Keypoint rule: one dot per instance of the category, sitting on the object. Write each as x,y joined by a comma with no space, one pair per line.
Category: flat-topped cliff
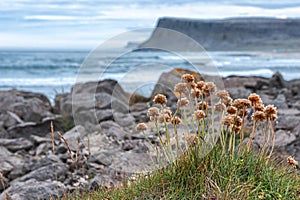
231,34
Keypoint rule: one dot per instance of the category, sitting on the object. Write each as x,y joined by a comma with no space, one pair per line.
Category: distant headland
232,34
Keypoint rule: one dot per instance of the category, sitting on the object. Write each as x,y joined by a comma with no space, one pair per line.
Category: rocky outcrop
227,34
100,153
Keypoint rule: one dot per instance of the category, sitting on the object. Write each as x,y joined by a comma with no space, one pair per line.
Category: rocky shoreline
103,146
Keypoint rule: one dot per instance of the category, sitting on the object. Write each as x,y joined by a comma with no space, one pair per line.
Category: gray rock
287,122
39,140
277,81
75,134
29,129
16,144
140,116
100,181
239,92
280,102
55,171
38,162
104,115
108,124
9,161
138,107
86,96
127,145
42,149
124,120
130,162
103,158
7,120
32,189
85,117
103,101
284,138
117,133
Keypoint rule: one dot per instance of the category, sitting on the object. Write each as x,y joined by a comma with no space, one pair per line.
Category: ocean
52,72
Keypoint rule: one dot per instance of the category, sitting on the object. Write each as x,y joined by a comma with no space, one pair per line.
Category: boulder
124,120
117,133
277,81
75,134
14,145
27,130
90,95
54,171
107,124
24,106
239,92
32,189
104,115
9,161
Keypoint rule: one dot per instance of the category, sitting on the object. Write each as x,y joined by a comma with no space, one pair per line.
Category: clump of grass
202,152
217,176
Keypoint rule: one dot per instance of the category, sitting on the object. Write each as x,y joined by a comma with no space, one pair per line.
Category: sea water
52,72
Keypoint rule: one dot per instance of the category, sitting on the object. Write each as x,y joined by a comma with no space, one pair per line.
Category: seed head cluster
181,88
141,127
199,114
291,161
183,102
175,120
187,78
160,99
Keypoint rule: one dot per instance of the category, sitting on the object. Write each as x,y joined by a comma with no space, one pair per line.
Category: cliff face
232,34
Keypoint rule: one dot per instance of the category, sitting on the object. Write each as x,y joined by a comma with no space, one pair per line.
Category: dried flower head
153,113
205,89
160,99
199,114
165,116
211,87
222,94
259,116
273,117
187,78
183,102
141,127
193,85
255,99
227,101
259,107
175,120
162,118
237,129
228,120
191,139
231,110
220,107
243,112
238,121
195,93
291,161
181,88
167,112
200,85
202,105
270,110
242,103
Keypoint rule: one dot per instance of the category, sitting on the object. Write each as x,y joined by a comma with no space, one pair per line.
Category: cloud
85,22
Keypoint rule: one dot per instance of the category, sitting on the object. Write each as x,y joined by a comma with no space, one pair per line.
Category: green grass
216,176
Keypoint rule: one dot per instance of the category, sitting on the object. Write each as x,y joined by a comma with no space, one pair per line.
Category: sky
84,24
